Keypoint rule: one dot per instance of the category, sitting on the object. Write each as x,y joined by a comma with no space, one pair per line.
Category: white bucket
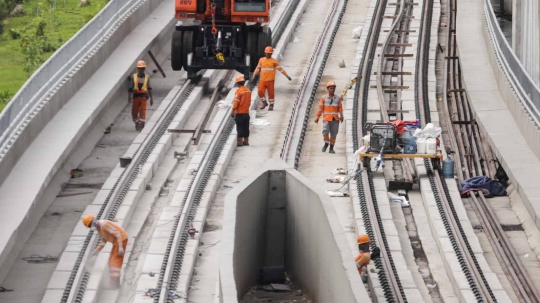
420,145
431,146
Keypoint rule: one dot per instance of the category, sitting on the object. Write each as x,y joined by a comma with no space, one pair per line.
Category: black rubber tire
252,49
265,39
187,47
177,58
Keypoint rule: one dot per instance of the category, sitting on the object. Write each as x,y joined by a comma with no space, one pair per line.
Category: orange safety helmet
240,78
363,238
330,84
268,50
141,63
87,220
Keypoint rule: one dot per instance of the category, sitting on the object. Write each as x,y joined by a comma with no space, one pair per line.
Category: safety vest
144,88
362,260
267,67
330,107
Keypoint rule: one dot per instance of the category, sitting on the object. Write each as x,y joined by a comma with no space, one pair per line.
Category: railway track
473,158
74,290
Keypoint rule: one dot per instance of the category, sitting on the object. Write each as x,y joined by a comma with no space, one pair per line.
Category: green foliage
34,44
5,97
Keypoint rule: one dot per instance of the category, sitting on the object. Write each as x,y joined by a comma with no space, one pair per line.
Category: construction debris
335,179
333,193
76,173
339,171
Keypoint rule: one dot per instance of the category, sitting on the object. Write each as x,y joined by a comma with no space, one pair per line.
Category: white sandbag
357,32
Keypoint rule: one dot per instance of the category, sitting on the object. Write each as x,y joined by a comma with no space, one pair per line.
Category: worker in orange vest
267,67
240,111
113,233
330,106
363,258
139,92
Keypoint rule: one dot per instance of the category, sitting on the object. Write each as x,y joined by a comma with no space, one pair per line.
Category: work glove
121,251
129,99
316,120
341,119
233,114
288,77
151,101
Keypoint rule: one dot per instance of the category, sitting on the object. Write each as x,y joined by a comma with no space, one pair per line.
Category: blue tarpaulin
487,185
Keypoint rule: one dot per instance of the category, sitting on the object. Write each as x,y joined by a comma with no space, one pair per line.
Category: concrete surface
526,36
496,110
265,143
311,230
38,175
54,229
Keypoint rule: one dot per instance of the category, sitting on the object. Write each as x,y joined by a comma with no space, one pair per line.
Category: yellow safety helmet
87,220
141,63
240,79
363,238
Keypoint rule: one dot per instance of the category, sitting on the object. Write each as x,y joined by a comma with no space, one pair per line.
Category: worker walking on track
139,92
331,108
240,111
113,233
267,67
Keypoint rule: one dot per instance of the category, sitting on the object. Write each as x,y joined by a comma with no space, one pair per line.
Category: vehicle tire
265,39
177,58
187,47
252,49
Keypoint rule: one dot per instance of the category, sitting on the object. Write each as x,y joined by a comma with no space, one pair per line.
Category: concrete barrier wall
63,90
308,233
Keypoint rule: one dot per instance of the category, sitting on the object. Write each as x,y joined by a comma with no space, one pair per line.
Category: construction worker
139,92
363,258
240,111
109,232
267,67
330,106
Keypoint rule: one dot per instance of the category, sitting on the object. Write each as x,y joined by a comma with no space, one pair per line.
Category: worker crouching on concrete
364,257
139,92
331,108
267,67
240,111
113,233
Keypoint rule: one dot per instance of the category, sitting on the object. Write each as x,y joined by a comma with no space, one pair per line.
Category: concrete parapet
278,205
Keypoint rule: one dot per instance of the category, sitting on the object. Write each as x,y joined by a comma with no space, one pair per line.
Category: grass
62,23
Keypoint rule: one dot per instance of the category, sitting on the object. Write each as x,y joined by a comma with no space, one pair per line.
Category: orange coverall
362,260
140,97
113,233
267,68
241,104
330,107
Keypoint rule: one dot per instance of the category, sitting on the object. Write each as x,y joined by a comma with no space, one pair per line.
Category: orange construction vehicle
220,34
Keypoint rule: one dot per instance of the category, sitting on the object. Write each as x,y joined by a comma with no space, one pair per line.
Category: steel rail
384,49
386,271
79,276
468,262
292,145
512,267
174,254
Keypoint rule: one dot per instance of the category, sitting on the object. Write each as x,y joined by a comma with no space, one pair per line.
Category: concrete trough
278,217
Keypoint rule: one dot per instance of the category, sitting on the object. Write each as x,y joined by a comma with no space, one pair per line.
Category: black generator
383,137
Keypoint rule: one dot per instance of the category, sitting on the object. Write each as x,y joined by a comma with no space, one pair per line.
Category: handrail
62,62
526,89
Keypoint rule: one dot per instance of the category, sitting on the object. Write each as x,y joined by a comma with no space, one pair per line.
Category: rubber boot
238,141
264,104
324,147
332,149
141,125
246,141
137,128
271,107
